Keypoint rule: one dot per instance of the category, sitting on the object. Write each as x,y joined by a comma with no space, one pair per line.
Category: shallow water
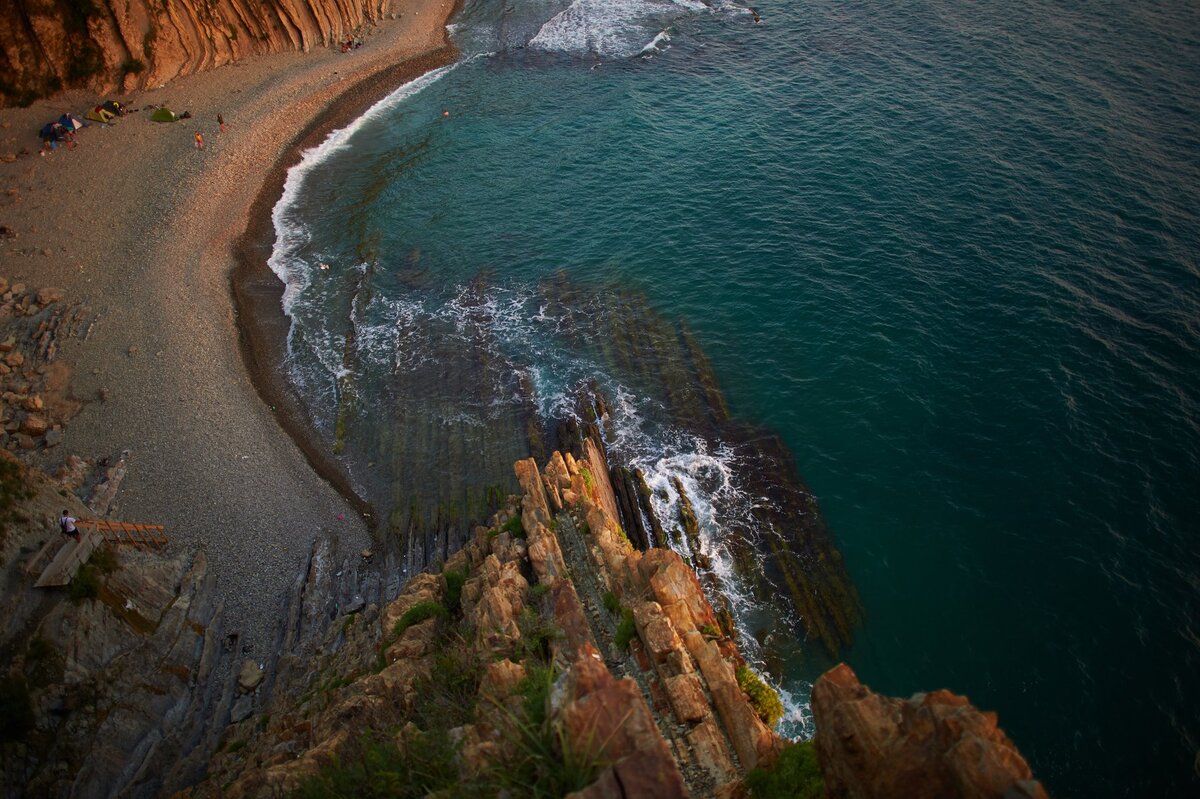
947,251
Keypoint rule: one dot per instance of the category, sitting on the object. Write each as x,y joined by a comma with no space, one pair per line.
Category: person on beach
67,525
199,141
221,122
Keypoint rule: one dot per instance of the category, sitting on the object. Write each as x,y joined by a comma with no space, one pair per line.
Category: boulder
35,425
933,745
250,677
49,295
609,719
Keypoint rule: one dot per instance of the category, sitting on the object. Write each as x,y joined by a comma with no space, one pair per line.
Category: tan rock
686,695
250,676
35,425
752,740
935,745
655,630
608,718
46,296
711,751
14,359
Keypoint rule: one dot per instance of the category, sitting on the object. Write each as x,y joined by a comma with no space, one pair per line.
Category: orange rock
932,745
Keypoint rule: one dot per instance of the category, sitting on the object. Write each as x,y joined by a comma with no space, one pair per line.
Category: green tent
163,114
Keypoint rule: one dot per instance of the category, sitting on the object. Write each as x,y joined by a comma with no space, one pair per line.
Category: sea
949,252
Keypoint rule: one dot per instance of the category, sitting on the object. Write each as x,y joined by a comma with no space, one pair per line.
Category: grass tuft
795,775
626,630
763,697
418,613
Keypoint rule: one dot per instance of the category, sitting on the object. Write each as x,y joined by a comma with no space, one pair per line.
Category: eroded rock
933,745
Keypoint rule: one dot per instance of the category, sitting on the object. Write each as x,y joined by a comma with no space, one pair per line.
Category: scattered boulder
250,677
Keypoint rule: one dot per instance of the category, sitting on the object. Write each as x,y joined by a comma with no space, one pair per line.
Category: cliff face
49,45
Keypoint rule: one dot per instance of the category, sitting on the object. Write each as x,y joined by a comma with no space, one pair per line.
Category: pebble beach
145,231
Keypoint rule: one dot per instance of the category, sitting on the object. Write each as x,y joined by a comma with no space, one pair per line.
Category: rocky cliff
547,657
547,652
49,45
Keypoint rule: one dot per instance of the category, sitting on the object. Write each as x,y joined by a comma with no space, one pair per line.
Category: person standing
67,525
221,122
199,141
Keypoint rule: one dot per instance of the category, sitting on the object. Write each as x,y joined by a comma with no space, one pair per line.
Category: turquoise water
948,251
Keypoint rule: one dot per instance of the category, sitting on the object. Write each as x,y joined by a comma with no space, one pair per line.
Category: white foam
290,234
653,47
609,28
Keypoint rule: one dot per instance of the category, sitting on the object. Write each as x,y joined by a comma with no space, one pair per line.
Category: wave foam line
289,234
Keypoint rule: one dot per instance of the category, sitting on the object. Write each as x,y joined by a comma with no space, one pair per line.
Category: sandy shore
146,230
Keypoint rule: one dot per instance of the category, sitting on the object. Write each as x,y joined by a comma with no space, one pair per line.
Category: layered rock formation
117,693
48,45
547,649
933,745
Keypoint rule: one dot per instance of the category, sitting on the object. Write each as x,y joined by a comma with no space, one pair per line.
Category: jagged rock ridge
546,590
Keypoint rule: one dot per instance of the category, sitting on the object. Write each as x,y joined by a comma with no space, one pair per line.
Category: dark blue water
947,250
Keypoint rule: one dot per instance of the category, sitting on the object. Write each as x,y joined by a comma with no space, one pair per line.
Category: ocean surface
948,251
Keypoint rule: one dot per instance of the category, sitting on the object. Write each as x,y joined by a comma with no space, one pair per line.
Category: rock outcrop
48,45
547,648
933,745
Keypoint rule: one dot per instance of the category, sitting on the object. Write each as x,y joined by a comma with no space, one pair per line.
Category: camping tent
69,122
99,114
163,114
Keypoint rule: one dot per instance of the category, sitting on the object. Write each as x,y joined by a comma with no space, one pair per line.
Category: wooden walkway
142,536
92,533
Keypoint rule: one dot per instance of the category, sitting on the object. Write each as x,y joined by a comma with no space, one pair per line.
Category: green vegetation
795,775
611,603
377,768
236,746
418,613
446,698
626,630
763,697
455,581
85,62
710,630
13,490
16,711
104,559
537,591
514,527
85,584
536,635
588,480
545,763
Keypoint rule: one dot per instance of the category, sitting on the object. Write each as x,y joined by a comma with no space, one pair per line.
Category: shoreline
147,234
257,292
